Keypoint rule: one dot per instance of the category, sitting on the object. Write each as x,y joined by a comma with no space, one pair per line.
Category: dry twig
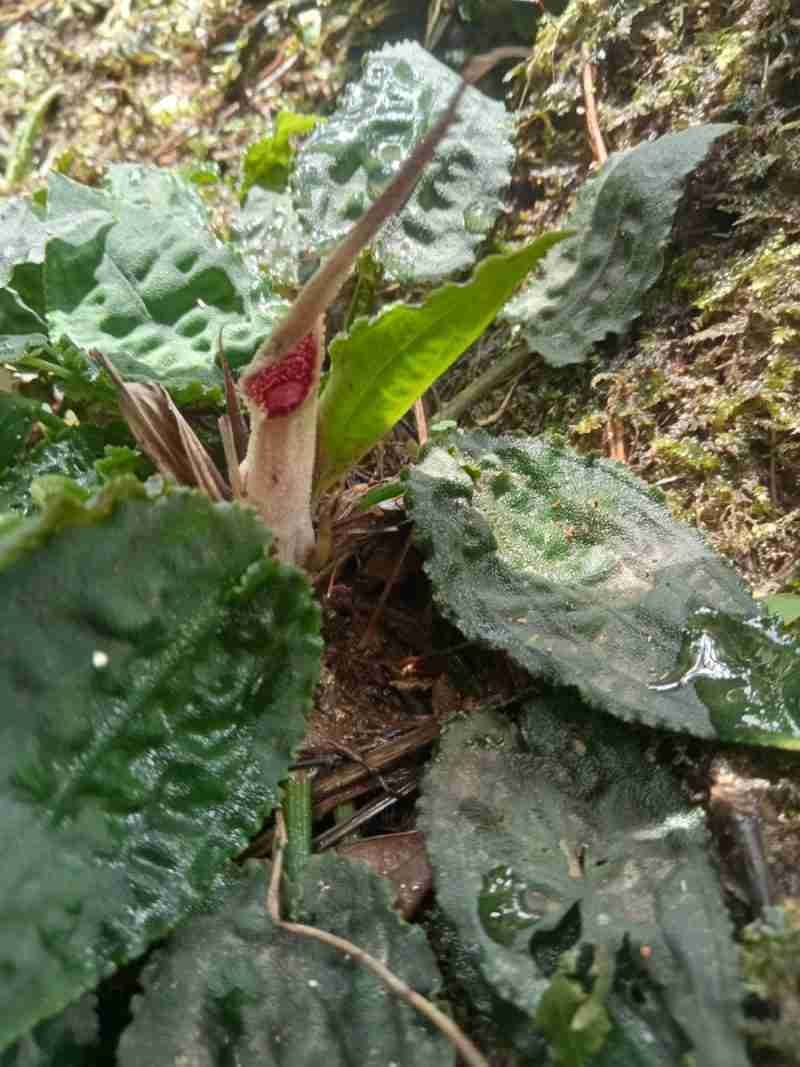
592,122
465,1048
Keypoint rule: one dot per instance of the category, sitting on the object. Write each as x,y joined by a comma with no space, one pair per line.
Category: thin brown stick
499,413
599,149
371,808
465,1048
369,633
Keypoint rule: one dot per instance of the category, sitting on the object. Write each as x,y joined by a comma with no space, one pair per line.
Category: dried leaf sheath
164,434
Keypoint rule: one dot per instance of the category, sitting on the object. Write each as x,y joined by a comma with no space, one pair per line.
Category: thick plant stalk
281,382
278,470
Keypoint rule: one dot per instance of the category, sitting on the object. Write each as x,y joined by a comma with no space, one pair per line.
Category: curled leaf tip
281,389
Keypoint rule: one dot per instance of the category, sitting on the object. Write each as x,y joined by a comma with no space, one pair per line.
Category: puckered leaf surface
70,1039
156,669
152,287
23,237
269,236
594,284
574,567
231,987
569,837
347,162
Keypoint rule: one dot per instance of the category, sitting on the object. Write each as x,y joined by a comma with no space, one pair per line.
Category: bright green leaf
268,162
156,670
785,605
384,364
231,987
574,1019
380,494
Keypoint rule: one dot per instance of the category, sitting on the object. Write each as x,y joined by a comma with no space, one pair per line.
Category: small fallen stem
465,1048
499,413
369,633
500,370
592,122
422,422
358,819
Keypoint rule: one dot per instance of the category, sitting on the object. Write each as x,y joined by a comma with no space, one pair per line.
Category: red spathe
282,388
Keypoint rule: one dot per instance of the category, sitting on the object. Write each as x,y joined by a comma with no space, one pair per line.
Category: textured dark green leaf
570,838
346,164
574,567
156,668
746,672
70,1039
85,454
593,284
147,283
384,364
17,416
233,988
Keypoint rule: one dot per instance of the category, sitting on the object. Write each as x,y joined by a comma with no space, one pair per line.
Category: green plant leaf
156,189
574,1019
593,284
785,605
747,674
17,416
384,364
233,987
268,162
156,669
86,454
70,1039
23,237
135,273
567,836
347,163
574,567
770,957
267,232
